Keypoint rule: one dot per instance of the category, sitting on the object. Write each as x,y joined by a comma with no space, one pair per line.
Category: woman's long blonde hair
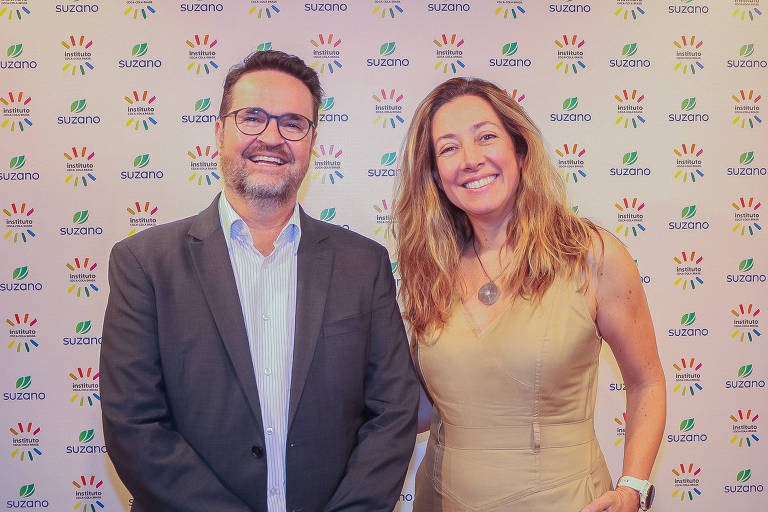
544,236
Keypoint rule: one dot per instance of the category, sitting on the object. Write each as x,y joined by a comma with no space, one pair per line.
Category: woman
508,294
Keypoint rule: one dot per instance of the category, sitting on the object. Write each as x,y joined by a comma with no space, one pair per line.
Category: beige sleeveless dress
512,427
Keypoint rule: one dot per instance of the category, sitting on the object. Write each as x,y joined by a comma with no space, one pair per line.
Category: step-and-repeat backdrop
653,111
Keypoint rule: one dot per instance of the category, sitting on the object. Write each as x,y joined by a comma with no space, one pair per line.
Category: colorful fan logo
22,332
688,56
14,14
628,12
262,12
629,108
202,51
326,53
745,323
746,109
140,110
688,276
384,12
688,163
79,171
509,12
630,216
515,96
139,12
85,387
87,494
746,216
570,164
687,486
621,430
17,114
383,217
76,52
687,381
18,223
141,216
448,53
744,428
740,13
25,442
569,54
327,164
387,109
82,281
203,165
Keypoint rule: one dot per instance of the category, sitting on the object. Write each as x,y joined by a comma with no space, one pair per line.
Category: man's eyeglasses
253,121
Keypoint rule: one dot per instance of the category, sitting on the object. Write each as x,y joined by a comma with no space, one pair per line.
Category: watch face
649,496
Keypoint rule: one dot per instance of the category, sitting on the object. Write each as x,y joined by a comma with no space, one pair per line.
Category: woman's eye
488,136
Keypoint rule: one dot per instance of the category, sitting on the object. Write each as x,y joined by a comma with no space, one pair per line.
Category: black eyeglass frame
269,118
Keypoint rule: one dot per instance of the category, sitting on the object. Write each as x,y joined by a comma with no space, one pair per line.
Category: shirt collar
236,229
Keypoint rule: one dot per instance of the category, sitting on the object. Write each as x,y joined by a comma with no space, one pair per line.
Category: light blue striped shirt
267,290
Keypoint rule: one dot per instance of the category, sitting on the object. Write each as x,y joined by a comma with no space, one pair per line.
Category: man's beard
237,178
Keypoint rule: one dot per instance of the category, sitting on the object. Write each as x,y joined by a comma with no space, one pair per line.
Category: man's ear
219,132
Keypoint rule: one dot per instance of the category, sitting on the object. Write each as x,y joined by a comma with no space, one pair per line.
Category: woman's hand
623,499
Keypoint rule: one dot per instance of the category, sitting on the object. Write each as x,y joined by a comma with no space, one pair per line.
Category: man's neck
265,219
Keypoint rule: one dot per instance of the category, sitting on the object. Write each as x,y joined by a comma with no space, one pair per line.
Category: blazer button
257,451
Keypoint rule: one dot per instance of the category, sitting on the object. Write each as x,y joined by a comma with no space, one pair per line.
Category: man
254,358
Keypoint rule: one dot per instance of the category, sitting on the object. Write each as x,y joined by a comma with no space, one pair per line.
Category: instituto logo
87,493
327,164
746,218
630,217
687,215
139,59
688,55
686,482
746,324
141,170
745,274
387,168
82,329
630,166
141,216
685,330
383,217
16,174
25,443
687,377
508,59
14,9
264,9
570,54
138,9
743,62
746,379
79,168
570,164
689,163
509,9
621,429
744,428
19,223
22,333
629,9
202,56
140,110
81,277
203,165
15,62
388,109
326,53
449,53
744,484
746,10
77,55
688,271
629,58
16,111
76,116
629,108
386,59
85,387
387,9
746,109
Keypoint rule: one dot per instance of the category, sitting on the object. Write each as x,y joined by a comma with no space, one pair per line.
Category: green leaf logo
570,103
14,50
745,371
746,265
80,217
387,48
688,319
264,46
395,266
20,273
202,104
575,209
629,158
77,106
687,425
509,49
141,161
83,327
17,162
86,436
629,50
388,158
746,50
326,104
25,491
328,214
688,104
23,382
744,475
747,158
139,50
688,211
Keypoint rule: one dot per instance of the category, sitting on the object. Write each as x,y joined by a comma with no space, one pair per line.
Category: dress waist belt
531,436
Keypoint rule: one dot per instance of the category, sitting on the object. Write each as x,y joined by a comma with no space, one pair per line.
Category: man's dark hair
277,61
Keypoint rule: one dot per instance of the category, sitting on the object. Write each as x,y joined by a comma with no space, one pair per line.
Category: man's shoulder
343,238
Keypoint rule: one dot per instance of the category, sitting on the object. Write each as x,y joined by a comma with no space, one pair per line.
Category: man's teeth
481,183
268,159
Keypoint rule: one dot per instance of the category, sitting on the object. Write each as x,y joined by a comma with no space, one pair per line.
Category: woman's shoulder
609,259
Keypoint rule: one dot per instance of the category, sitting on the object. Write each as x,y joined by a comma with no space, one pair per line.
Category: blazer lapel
210,257
313,278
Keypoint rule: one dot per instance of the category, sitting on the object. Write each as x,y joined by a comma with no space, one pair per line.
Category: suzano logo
203,165
745,274
621,429
570,163
744,428
14,52
746,109
80,338
629,108
22,393
509,9
689,163
744,61
741,486
77,55
200,116
22,333
448,53
326,114
139,59
746,218
687,215
141,216
85,387
387,166
326,53
746,323
17,10
202,56
264,9
262,47
16,174
569,54
26,500
630,217
686,482
568,115
78,227
85,444
81,278
688,271
686,8
383,217
386,59
76,116
687,377
79,168
200,6
629,9
327,164
449,6
25,443
746,10
508,59
329,215
16,111
686,329
75,7
138,10
687,434
140,110
687,105
18,223
387,9
628,51
19,283
630,166
569,7
388,109
745,379
141,170
688,55
87,493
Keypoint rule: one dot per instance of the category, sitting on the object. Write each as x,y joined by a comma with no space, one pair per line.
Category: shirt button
257,451
270,431
268,371
266,316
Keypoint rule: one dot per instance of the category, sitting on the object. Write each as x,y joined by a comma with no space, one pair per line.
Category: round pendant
488,293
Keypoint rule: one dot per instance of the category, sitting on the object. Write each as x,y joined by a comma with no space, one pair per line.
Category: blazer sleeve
156,464
374,476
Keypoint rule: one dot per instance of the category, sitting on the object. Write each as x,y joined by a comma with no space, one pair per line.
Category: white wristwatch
643,487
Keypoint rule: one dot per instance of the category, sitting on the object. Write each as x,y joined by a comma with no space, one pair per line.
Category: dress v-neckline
470,319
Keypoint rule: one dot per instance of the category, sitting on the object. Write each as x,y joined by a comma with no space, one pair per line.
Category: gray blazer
180,407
